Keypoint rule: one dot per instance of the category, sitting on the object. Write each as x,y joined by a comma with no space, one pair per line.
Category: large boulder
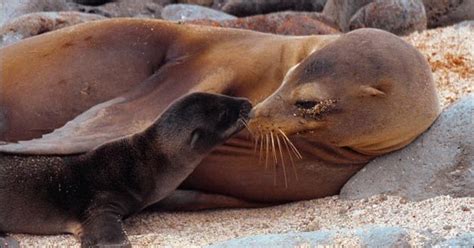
41,22
125,8
287,23
447,12
207,3
461,240
189,12
369,236
439,162
255,7
92,2
400,17
10,9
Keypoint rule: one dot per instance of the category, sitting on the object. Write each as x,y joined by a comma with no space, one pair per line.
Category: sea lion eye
224,115
306,104
195,136
314,109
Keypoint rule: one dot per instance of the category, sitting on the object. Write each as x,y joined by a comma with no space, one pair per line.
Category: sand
450,52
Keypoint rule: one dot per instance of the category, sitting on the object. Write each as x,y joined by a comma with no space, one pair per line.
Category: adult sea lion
101,80
88,195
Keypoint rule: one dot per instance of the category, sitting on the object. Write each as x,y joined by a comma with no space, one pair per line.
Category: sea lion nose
252,114
245,109
259,112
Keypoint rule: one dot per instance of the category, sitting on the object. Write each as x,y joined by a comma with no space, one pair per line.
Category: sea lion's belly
235,169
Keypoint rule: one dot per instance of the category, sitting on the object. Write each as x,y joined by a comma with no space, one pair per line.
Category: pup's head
194,124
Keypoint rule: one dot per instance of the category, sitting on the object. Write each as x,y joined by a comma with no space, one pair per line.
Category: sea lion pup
90,194
101,80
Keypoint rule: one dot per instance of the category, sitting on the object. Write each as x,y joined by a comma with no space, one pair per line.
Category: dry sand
450,52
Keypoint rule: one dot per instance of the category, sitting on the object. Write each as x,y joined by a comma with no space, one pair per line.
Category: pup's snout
245,109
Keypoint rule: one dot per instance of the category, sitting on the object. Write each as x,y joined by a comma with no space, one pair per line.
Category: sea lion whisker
260,159
275,159
287,140
282,160
291,159
297,152
255,144
267,148
246,125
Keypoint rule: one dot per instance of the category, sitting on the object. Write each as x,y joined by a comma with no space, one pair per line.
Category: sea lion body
133,68
89,194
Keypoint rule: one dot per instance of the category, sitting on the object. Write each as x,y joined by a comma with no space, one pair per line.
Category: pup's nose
245,109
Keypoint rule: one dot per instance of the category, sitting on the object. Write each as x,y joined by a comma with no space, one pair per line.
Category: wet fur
89,195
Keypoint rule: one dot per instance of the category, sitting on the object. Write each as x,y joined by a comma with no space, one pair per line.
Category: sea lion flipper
121,116
74,137
193,200
104,230
102,123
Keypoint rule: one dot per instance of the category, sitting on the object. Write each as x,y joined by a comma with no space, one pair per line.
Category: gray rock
40,22
8,242
285,23
439,162
10,9
400,17
125,8
447,12
383,237
189,12
207,3
92,2
341,11
462,240
279,240
254,7
370,236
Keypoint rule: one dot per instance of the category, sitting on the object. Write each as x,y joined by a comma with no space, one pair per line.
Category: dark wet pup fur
89,195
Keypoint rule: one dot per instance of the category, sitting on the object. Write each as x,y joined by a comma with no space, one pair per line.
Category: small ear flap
196,135
366,90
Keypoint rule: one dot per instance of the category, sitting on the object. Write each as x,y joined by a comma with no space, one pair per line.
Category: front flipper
118,117
192,200
8,242
104,230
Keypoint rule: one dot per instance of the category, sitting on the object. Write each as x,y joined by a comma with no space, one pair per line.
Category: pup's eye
306,104
195,136
224,115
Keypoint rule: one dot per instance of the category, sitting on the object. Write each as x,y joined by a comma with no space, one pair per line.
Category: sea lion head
196,123
368,90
